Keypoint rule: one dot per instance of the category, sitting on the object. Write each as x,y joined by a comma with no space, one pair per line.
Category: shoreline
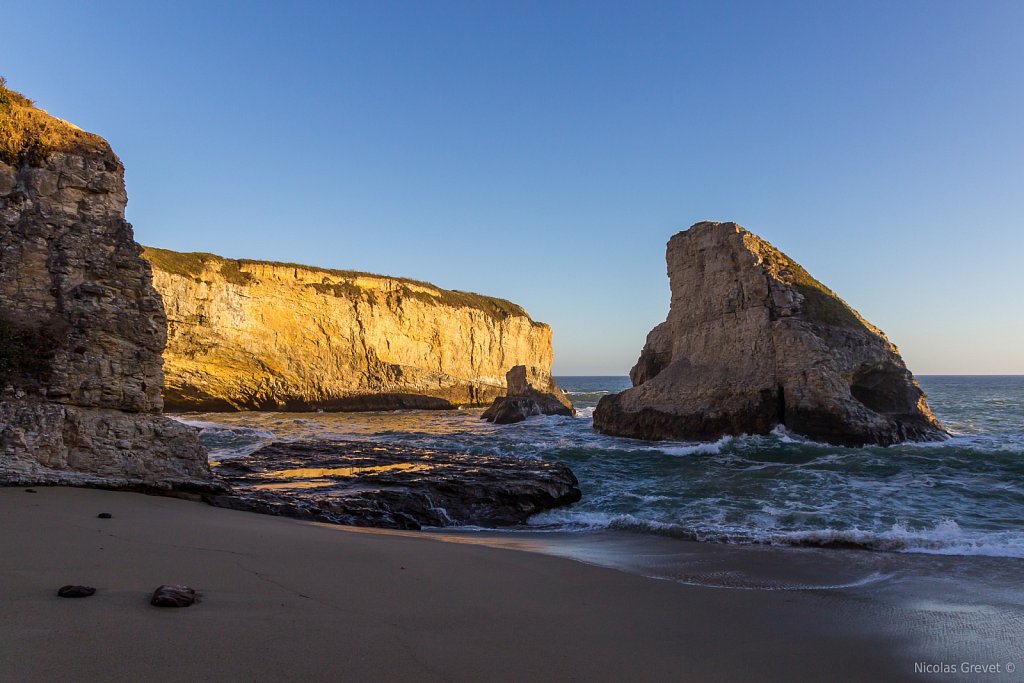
752,566
286,599
922,498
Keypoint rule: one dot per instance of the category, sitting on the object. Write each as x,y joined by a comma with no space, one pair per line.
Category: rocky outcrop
753,341
529,392
81,328
392,486
272,336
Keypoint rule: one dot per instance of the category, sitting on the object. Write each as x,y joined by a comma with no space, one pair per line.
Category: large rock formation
529,392
274,336
393,486
81,328
753,341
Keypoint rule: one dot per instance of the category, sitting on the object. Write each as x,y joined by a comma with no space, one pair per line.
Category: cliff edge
753,341
260,335
81,327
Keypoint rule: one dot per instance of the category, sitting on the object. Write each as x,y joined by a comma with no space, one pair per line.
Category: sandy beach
289,600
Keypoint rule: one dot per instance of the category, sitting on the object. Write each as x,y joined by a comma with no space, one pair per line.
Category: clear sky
545,152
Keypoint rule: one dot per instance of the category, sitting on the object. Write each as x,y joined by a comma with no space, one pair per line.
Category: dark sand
285,600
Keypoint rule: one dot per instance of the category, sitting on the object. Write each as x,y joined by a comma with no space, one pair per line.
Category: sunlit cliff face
255,335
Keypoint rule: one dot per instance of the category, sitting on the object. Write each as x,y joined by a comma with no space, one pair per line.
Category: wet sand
288,600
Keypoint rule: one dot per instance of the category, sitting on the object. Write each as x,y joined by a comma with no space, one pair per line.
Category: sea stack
752,341
81,327
529,391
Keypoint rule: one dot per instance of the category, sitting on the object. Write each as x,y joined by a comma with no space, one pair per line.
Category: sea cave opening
883,389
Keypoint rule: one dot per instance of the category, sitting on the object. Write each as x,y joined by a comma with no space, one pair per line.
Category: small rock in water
173,596
75,591
104,515
31,491
529,391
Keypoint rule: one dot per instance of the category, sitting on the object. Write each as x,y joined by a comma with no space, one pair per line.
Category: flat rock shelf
392,486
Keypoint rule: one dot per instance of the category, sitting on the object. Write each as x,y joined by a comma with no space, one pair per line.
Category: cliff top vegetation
820,303
238,271
29,134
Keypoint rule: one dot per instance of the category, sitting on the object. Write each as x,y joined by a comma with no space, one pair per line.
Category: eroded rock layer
272,336
753,341
81,327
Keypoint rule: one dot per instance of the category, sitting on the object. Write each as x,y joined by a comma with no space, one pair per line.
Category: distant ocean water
964,496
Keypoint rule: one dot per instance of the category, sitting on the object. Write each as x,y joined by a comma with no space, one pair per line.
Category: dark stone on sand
31,491
104,515
392,486
75,591
173,596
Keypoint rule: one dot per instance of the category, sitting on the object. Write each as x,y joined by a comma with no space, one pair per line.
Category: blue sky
546,151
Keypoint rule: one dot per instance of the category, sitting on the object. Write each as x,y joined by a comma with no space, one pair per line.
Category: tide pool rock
81,327
530,391
392,486
753,341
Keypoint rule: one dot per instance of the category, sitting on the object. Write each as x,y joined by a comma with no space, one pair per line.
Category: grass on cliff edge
192,265
820,302
29,135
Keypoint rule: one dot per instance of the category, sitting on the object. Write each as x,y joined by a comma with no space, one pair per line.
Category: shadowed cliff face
753,341
272,336
81,328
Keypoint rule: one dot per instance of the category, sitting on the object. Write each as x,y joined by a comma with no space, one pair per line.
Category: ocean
964,496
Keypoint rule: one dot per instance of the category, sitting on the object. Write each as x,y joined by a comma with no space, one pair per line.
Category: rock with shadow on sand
173,596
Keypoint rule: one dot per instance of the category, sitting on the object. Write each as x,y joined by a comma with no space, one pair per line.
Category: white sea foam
225,441
710,448
646,498
785,436
198,424
973,439
742,583
946,538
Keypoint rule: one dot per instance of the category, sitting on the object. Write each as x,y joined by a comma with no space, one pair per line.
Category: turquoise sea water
964,496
